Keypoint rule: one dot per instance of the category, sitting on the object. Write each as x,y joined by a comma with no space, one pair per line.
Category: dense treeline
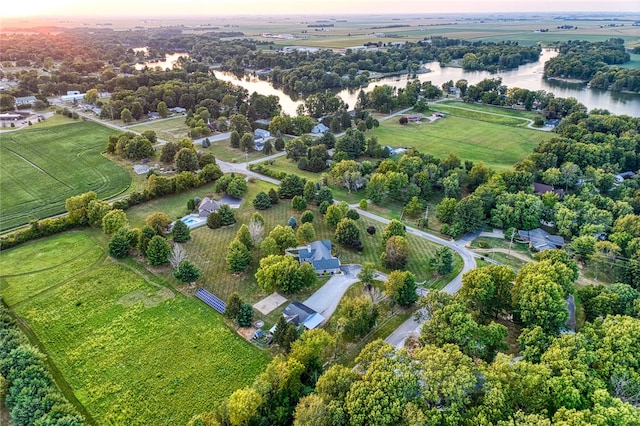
26,385
582,59
617,80
303,72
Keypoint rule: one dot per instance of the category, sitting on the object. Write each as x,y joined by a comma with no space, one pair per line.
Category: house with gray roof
300,314
318,254
319,129
24,100
540,240
207,206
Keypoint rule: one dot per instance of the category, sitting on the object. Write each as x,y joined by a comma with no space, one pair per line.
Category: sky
150,8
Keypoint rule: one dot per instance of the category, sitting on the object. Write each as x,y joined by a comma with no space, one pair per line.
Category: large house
318,254
207,206
540,240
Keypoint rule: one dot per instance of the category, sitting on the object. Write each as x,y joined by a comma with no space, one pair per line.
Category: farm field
130,349
42,167
497,146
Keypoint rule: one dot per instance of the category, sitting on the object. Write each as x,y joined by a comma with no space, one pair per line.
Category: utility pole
511,241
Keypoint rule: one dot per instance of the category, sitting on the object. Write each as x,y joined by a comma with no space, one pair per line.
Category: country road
409,327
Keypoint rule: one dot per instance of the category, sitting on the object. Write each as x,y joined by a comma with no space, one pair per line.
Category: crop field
42,167
130,349
498,146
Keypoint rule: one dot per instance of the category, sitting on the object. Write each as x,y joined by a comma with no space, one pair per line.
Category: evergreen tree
181,232
119,245
244,236
227,217
238,256
245,315
307,217
279,332
187,272
442,262
233,305
158,251
298,203
145,236
214,221
273,194
262,201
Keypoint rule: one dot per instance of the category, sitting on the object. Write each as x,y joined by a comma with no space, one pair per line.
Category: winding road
411,326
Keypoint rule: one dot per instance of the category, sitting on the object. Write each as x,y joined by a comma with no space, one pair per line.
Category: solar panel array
211,300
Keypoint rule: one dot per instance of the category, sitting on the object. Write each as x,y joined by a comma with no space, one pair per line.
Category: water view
526,76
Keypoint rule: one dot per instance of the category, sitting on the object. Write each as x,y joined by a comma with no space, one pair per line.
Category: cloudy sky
333,7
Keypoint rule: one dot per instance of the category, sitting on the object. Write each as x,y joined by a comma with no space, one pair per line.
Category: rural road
318,301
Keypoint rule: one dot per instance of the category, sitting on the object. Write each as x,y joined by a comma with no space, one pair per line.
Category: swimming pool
194,221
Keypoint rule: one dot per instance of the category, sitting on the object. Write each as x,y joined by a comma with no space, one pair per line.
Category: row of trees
26,386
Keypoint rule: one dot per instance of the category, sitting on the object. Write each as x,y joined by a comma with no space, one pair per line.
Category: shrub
214,221
307,217
371,230
363,204
262,201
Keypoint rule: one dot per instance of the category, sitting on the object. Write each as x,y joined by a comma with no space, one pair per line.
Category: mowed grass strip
497,146
134,352
42,167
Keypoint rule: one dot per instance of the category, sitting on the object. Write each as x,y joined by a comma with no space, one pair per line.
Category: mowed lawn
172,129
132,350
41,167
498,146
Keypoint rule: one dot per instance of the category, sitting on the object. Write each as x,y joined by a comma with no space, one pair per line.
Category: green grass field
132,350
171,129
43,166
498,146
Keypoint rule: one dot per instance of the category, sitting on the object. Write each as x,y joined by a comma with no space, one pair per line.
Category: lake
526,76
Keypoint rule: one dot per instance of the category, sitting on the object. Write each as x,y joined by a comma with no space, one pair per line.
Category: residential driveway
325,300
